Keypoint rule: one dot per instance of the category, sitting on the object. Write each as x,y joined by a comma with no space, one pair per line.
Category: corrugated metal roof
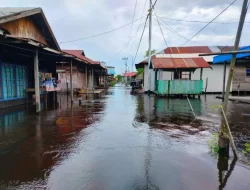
7,11
131,74
191,49
227,58
196,49
179,63
79,54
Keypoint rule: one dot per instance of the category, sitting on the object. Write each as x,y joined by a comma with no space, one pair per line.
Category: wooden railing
165,87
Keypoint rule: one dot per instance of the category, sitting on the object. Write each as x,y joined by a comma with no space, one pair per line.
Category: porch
175,87
179,73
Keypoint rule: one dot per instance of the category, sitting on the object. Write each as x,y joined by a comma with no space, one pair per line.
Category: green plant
213,143
112,83
247,148
152,53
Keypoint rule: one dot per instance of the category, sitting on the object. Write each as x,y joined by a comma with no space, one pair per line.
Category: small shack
180,71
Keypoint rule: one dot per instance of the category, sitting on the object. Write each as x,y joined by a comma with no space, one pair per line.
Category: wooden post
71,83
199,96
206,85
201,73
92,78
86,73
229,133
37,87
156,73
190,75
236,46
224,81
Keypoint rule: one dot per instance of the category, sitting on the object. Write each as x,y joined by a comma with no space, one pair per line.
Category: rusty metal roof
179,63
131,74
196,49
80,54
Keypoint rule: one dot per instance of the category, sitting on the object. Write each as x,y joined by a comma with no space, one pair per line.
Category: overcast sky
74,19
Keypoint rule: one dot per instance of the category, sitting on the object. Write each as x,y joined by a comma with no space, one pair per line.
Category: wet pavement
121,142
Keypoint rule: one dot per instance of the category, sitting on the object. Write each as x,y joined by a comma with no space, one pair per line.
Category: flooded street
121,142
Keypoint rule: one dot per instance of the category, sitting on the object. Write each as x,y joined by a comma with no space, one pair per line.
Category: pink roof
131,74
180,63
79,54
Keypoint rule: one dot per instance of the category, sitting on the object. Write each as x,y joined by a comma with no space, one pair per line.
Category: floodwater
121,142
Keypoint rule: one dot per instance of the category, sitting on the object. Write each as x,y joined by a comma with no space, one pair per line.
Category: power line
197,21
101,33
209,23
140,40
161,30
138,29
133,37
133,20
171,29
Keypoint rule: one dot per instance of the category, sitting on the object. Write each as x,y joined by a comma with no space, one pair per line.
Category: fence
165,87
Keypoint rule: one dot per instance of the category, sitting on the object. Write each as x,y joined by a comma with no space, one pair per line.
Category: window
14,81
9,81
21,81
185,75
248,72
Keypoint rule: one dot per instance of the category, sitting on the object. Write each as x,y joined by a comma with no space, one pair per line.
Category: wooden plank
19,15
24,28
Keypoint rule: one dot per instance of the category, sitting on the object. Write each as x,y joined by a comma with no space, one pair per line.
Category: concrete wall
152,81
215,77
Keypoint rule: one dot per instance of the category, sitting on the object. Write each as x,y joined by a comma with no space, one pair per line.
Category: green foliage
213,143
247,148
152,53
139,71
119,78
112,83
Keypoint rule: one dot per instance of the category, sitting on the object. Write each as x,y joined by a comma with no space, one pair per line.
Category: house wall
78,80
215,78
240,78
152,83
24,28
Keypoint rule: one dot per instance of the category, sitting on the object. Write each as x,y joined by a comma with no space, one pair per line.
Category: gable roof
179,63
196,49
8,14
130,74
80,54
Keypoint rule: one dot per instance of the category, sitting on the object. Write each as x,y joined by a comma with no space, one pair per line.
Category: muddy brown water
118,141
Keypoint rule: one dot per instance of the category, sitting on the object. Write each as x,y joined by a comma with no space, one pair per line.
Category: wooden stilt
71,83
37,87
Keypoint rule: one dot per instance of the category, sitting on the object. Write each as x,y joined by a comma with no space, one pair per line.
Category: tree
139,71
119,78
152,52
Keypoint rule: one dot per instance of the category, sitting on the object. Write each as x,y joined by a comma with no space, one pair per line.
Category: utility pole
149,45
236,47
125,59
224,140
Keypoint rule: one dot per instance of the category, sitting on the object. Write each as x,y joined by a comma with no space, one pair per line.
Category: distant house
213,76
111,70
87,75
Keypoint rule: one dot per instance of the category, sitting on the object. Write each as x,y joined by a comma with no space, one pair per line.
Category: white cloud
73,19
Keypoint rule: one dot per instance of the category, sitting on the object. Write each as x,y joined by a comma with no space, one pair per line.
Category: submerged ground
118,141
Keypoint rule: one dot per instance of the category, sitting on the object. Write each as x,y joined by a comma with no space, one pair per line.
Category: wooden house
29,51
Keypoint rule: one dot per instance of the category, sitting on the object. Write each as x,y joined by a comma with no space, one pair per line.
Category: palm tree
152,53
